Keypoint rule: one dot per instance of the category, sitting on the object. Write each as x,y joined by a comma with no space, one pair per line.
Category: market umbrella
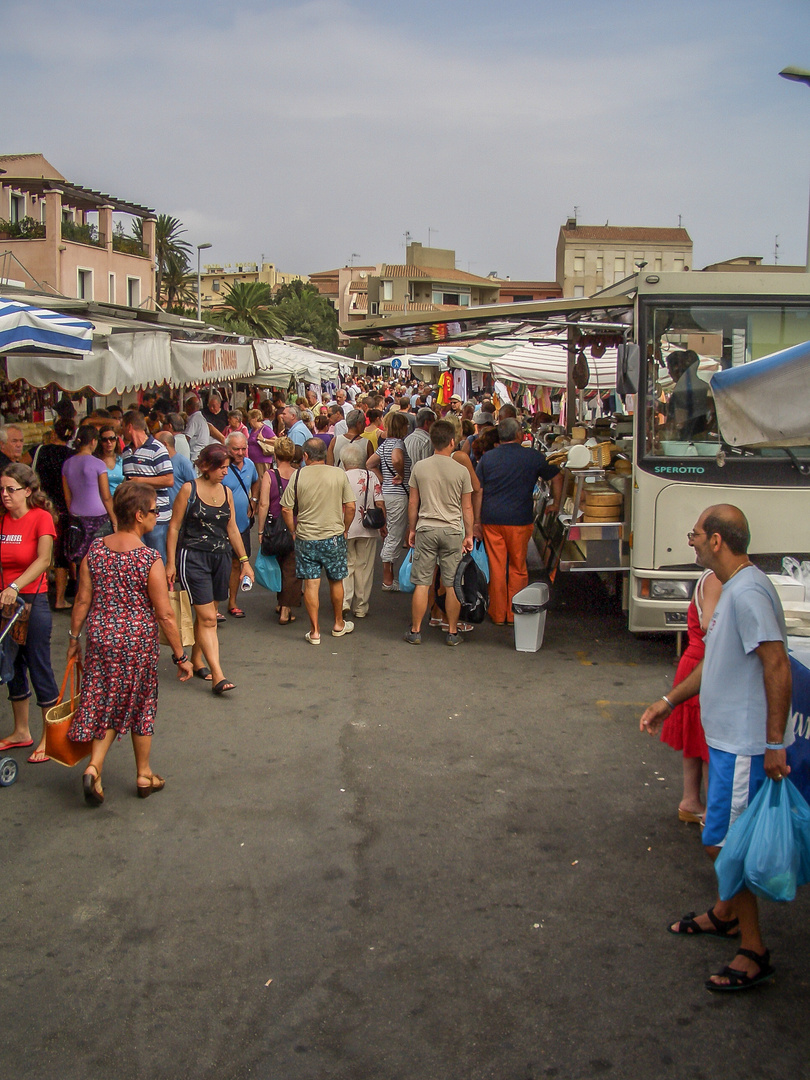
24,328
764,402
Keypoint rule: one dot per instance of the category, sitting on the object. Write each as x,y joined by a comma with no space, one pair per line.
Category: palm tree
249,304
168,245
179,284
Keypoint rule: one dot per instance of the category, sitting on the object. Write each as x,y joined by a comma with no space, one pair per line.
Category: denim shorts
313,556
34,657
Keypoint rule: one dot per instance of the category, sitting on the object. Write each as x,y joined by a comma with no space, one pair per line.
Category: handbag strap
368,482
73,671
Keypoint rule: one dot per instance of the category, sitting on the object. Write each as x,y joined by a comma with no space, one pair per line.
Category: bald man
744,683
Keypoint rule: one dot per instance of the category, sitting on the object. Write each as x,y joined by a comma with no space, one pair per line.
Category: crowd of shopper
124,507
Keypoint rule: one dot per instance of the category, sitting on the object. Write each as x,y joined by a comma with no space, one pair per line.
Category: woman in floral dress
123,597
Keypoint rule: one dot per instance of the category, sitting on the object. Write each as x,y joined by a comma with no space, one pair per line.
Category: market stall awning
198,363
535,364
764,402
118,363
277,362
25,328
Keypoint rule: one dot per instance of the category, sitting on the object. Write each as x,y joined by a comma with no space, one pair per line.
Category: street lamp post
800,75
200,247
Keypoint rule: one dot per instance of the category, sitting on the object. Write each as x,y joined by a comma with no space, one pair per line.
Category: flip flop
39,757
15,746
220,617
202,673
223,687
286,622
236,612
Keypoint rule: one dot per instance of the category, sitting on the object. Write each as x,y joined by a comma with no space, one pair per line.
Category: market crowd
157,516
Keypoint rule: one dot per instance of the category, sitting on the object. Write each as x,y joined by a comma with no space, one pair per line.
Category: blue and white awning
24,328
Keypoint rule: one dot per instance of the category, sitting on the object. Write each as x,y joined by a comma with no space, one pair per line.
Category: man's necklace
742,566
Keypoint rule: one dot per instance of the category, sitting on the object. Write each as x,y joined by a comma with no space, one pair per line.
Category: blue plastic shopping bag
479,554
767,849
405,573
268,572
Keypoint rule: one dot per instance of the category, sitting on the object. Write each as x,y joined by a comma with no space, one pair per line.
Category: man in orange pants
508,474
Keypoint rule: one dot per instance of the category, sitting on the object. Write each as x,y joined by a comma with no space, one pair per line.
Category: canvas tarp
277,362
764,402
197,364
535,365
118,363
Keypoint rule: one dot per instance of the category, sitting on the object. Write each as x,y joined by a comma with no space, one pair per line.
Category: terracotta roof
631,234
390,306
361,285
433,273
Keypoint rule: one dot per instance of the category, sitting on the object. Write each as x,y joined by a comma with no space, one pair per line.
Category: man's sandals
723,928
740,980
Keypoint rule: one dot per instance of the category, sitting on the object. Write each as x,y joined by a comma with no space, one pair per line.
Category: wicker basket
601,453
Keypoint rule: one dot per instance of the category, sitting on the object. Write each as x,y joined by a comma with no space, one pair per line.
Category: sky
316,133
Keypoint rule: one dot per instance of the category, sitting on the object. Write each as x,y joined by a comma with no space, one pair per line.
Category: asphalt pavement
376,861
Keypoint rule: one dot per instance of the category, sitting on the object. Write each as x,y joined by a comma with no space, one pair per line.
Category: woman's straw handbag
59,717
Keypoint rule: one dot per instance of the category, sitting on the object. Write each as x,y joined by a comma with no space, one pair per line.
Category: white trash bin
529,608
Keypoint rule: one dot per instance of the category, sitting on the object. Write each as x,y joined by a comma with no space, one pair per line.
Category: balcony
83,234
24,229
129,245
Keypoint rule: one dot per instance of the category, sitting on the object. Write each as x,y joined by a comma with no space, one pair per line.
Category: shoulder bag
277,539
373,516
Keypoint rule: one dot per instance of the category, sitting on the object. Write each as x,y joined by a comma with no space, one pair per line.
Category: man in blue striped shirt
147,461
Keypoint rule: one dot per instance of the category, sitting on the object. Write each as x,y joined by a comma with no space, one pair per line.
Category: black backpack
470,587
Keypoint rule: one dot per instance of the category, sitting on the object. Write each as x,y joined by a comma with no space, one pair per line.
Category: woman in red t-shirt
27,531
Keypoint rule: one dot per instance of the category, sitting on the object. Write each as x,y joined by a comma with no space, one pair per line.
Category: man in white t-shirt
744,682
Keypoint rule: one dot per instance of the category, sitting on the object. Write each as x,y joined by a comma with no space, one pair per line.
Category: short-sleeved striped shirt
151,459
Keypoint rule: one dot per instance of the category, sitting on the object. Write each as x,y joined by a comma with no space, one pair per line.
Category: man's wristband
666,699
774,746
243,558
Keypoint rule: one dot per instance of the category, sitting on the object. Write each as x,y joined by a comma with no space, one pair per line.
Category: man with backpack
440,522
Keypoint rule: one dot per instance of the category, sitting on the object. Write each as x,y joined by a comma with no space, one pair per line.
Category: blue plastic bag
767,849
405,573
479,554
268,572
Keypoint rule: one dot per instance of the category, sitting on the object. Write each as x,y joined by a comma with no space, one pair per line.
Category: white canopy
279,361
535,364
764,402
120,363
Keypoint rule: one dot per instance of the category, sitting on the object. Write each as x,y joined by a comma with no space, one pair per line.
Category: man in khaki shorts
440,520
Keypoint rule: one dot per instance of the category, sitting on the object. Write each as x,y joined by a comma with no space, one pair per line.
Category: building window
451,299
600,264
375,307
84,284
388,290
215,285
579,290
618,266
677,264
133,292
657,263
67,215
579,264
16,208
111,289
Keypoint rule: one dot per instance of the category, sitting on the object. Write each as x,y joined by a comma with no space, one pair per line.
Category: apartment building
216,279
592,257
57,236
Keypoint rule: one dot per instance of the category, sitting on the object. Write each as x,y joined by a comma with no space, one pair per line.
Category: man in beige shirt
323,500
440,519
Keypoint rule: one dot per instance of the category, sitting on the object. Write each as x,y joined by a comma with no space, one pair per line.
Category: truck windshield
685,344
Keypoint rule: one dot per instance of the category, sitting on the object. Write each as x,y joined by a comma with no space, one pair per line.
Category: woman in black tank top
202,536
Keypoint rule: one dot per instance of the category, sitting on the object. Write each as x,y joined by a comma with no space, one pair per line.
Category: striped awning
24,328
